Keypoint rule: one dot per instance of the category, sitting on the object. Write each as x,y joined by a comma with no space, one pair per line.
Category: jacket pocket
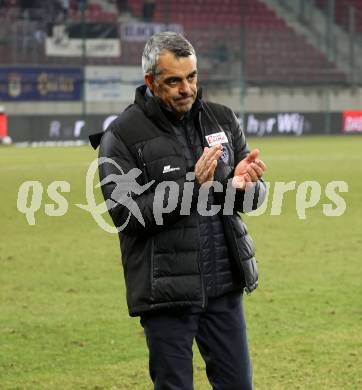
242,250
160,161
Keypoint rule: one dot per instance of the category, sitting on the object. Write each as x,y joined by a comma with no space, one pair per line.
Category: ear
149,81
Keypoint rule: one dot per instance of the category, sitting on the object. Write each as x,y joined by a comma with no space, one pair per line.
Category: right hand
206,164
249,170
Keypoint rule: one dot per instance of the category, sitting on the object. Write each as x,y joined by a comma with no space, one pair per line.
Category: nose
184,88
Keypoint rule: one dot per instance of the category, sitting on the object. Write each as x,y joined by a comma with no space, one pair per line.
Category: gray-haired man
185,276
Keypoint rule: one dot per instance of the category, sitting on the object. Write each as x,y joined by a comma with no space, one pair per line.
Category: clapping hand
249,170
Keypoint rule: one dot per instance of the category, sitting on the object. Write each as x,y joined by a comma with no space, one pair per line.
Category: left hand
249,170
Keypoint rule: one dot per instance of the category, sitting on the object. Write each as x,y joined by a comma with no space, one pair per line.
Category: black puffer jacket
214,258
161,262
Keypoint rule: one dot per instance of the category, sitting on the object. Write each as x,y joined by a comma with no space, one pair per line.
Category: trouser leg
222,341
169,340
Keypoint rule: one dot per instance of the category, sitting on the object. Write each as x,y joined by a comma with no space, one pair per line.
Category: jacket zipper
213,254
200,269
140,155
151,273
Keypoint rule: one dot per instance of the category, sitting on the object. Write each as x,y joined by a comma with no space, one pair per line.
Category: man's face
175,82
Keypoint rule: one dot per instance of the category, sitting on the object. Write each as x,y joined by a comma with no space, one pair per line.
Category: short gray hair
164,41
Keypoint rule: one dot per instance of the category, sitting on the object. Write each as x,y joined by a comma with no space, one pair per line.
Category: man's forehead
168,63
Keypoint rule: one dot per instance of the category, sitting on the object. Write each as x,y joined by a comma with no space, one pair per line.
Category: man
185,270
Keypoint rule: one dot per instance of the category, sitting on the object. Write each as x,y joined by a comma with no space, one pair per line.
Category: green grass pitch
63,316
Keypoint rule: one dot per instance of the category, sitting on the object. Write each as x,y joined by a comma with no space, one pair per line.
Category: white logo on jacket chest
167,169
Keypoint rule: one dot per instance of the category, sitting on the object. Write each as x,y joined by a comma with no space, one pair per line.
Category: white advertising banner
112,83
134,31
101,40
74,47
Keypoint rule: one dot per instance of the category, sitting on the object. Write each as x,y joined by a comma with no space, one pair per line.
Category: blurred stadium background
288,68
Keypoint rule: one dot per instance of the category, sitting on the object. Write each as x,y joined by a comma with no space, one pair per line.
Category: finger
207,153
206,174
212,155
204,153
261,164
253,174
257,169
203,167
206,164
253,155
211,151
209,172
248,182
247,178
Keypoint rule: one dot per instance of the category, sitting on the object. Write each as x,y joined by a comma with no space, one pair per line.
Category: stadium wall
52,130
303,99
266,99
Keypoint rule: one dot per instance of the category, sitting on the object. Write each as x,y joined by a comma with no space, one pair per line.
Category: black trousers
220,334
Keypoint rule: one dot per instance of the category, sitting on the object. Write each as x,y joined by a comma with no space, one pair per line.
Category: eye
172,81
192,77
